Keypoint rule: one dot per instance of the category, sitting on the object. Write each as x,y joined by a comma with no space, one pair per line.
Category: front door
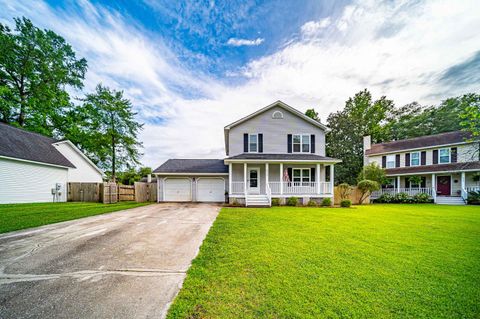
444,184
254,180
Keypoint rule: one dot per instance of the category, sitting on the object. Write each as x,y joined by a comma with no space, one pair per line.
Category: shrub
275,201
292,201
366,187
402,198
473,198
344,190
235,203
372,172
326,202
421,198
385,198
346,203
312,203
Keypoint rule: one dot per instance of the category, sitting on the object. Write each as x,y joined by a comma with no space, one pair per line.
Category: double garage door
206,190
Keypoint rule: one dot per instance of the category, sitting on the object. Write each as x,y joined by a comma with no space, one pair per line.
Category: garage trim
199,178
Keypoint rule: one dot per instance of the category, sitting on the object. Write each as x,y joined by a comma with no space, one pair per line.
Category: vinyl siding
22,182
275,132
84,171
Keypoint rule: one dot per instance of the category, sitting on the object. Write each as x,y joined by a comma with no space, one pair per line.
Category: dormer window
301,143
253,143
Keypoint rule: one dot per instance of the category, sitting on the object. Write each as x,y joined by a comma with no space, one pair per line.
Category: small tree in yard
366,187
344,190
373,172
415,180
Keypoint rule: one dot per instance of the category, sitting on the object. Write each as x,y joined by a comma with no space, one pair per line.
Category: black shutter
397,160
290,174
435,156
407,159
453,155
423,158
245,143
327,173
407,182
260,143
312,143
424,182
289,143
384,161
312,174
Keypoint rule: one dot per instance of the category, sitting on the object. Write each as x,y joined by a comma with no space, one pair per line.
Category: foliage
476,177
292,201
415,180
473,198
345,190
132,175
361,116
105,129
385,198
37,71
373,172
327,201
312,114
470,117
275,201
404,198
421,198
406,261
235,203
366,187
345,203
312,203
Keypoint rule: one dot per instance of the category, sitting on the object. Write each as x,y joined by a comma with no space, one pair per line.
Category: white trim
190,174
285,161
81,154
394,161
449,155
250,151
301,143
424,148
254,168
288,195
436,172
309,169
419,158
280,117
34,162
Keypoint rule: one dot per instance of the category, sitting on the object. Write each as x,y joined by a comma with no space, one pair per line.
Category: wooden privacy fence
111,192
354,196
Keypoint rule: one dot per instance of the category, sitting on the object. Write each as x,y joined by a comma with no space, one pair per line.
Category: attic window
277,115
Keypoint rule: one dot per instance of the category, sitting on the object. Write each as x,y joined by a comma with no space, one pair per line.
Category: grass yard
21,216
377,261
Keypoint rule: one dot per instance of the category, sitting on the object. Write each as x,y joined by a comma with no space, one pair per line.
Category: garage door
178,190
210,190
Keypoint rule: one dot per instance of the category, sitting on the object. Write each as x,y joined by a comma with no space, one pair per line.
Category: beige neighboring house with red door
448,164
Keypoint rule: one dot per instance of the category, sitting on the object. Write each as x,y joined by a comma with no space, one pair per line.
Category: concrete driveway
127,264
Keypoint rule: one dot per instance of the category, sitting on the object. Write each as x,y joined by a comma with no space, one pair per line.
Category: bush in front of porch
404,198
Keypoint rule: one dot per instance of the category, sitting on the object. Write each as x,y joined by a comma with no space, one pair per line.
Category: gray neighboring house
276,152
37,168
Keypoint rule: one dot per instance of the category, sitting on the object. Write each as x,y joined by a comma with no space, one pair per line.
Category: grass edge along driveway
22,216
373,261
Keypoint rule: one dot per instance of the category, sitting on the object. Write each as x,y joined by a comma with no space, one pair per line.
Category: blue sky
191,67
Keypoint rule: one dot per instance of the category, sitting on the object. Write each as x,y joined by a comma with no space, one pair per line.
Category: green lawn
377,261
20,216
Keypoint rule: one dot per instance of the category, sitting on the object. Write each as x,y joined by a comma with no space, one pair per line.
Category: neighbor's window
253,143
415,159
444,155
301,175
390,161
301,143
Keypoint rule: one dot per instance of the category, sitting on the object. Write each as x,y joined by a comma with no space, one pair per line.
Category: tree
373,172
104,126
366,187
132,175
312,114
470,121
37,69
344,190
361,116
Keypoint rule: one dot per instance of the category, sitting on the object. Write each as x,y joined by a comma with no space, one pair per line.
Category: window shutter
260,143
312,174
245,143
384,161
327,173
407,182
312,143
407,159
435,156
424,158
424,182
290,174
397,160
453,155
289,143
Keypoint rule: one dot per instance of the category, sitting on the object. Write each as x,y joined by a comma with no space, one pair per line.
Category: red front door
443,185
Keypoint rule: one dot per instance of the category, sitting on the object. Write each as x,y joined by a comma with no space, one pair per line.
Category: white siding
23,182
275,132
83,172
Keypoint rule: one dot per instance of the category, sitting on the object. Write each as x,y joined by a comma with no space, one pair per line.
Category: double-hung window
390,161
301,143
301,176
444,156
415,159
253,143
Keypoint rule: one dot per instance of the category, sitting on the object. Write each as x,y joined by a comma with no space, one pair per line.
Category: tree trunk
113,160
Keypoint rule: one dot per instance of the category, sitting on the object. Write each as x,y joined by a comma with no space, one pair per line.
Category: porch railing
410,191
237,188
289,188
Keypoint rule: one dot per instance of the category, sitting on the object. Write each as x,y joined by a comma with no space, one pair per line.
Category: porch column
462,182
245,179
398,184
317,178
331,178
266,177
230,178
281,178
434,188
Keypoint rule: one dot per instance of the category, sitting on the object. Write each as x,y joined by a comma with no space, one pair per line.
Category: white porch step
257,200
450,200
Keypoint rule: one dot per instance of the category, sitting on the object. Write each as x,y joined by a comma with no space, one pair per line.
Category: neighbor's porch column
245,179
281,178
266,177
331,178
398,184
230,178
434,188
317,178
462,182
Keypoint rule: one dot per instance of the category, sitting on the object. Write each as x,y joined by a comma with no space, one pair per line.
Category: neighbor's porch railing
410,191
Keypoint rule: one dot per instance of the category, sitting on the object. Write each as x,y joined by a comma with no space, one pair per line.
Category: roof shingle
433,168
192,166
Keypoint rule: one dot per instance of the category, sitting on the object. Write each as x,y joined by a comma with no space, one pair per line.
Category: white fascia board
81,154
33,162
190,174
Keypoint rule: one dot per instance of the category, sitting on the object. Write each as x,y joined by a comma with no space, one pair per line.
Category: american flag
286,178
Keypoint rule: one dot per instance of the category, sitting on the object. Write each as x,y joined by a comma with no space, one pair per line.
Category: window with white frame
301,143
415,159
444,155
253,143
301,175
390,161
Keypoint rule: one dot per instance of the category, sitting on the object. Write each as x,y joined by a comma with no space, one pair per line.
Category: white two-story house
276,152
446,163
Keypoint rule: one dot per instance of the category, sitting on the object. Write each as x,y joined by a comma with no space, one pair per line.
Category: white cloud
244,42
395,49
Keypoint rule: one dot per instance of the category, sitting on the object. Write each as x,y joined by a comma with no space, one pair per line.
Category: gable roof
24,145
419,142
79,152
201,166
